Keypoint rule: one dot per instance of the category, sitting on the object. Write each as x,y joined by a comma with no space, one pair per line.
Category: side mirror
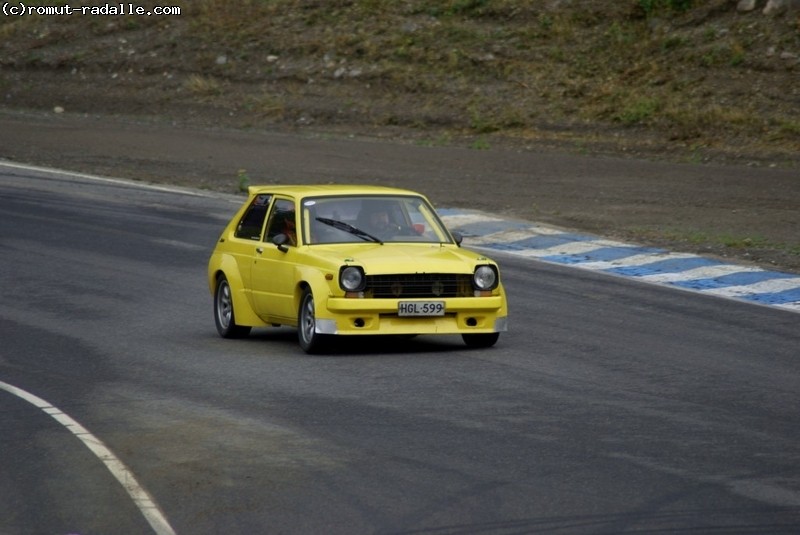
281,240
458,237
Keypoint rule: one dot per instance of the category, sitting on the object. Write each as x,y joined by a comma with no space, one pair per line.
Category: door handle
259,250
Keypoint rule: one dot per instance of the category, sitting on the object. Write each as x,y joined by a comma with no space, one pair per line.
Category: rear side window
252,222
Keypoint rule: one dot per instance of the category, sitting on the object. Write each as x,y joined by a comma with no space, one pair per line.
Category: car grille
427,285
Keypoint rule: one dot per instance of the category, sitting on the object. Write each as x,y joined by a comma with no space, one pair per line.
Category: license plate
420,308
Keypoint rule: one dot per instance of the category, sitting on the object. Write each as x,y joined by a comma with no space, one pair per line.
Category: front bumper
463,315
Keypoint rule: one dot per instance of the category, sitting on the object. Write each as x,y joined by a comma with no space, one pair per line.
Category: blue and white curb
658,266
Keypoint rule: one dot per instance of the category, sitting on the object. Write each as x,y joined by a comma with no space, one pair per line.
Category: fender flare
242,308
320,287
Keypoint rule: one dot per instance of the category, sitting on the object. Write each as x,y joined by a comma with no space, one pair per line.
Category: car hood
391,258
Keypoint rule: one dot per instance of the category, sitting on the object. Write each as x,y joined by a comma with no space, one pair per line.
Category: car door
247,235
272,273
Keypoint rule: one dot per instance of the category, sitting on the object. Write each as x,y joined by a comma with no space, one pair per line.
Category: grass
265,105
243,180
655,7
722,240
789,128
639,111
202,86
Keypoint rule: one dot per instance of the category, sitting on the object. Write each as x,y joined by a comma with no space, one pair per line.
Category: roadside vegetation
686,79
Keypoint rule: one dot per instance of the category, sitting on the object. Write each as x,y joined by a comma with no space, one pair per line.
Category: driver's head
379,219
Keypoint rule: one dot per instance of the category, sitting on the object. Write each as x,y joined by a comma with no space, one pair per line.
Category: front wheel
310,340
223,311
480,340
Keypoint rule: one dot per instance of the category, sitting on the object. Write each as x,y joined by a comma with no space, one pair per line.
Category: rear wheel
480,340
310,340
223,311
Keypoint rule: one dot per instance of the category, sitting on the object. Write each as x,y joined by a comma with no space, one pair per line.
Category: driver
378,221
374,219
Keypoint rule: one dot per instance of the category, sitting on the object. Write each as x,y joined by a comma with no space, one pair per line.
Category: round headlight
351,279
485,278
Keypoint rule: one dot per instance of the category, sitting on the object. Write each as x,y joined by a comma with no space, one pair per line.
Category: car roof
328,189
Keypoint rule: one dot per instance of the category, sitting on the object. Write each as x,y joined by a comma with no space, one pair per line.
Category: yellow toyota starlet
350,260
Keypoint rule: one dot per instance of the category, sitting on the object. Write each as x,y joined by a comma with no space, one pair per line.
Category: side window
249,227
282,221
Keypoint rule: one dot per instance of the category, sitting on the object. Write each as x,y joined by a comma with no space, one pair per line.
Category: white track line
140,497
105,179
763,287
706,272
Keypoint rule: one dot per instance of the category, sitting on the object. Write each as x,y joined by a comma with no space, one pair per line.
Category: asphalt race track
610,406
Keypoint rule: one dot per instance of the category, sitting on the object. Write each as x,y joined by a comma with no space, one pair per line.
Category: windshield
371,218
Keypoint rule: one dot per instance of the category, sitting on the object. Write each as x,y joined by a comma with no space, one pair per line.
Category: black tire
310,341
223,311
481,340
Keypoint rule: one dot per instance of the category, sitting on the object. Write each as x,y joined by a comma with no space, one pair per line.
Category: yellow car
350,260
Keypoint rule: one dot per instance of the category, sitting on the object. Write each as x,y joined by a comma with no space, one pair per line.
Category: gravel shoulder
741,213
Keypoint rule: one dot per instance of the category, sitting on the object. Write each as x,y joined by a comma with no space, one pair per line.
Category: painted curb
647,264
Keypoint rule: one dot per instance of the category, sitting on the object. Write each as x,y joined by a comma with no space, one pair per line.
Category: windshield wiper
347,227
